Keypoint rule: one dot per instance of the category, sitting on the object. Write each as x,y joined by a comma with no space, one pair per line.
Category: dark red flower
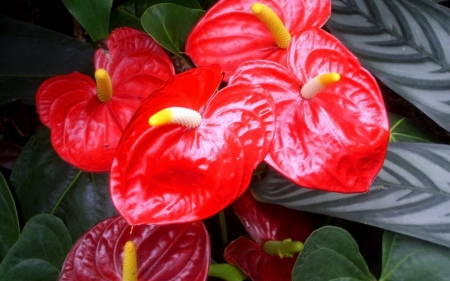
335,140
98,254
230,33
84,129
266,222
190,170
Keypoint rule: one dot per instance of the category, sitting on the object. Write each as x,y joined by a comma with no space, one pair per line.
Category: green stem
223,228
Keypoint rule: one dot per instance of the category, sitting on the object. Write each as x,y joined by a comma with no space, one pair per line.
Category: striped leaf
405,44
411,194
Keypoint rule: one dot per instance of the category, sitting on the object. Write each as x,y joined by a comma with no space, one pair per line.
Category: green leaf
30,54
129,13
169,24
411,194
405,44
92,15
9,222
407,258
226,271
44,183
39,252
403,130
330,253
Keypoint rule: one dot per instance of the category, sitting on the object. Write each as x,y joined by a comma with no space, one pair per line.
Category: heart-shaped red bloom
172,173
229,34
265,222
98,254
335,141
84,130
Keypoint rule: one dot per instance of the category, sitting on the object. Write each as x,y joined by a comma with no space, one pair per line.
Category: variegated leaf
411,194
405,44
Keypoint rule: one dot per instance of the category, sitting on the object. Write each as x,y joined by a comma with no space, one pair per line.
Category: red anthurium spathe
197,154
332,129
231,32
87,117
268,225
99,254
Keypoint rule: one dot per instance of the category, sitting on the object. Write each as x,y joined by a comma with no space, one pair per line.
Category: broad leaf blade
405,44
9,222
403,130
164,21
30,54
92,15
44,183
179,22
330,253
129,13
407,258
44,243
411,194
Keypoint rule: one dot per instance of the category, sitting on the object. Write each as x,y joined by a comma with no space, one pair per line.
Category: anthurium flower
332,129
189,150
87,117
278,234
114,251
235,31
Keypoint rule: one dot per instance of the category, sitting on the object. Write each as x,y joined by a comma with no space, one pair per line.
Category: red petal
172,174
259,266
229,34
337,140
264,221
98,254
250,111
85,131
75,86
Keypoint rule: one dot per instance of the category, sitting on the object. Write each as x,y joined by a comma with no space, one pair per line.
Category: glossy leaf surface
39,252
265,222
407,258
43,183
169,252
405,44
170,173
84,130
169,24
229,34
410,194
92,15
404,130
335,141
52,54
9,226
330,253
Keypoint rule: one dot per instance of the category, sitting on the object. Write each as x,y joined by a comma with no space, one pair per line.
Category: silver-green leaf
411,194
405,44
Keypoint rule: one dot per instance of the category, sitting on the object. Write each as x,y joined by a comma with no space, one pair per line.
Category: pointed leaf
407,258
129,13
42,247
24,68
170,252
405,44
410,195
44,183
169,24
92,15
330,253
403,130
9,222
